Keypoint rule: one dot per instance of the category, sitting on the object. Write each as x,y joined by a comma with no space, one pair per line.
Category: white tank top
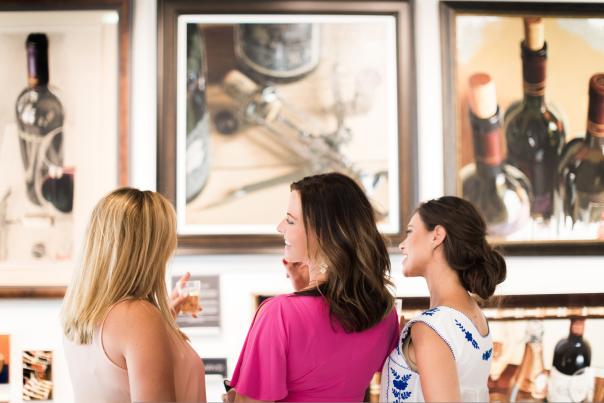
472,353
96,379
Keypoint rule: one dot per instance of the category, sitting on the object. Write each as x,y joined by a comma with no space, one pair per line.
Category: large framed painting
63,133
524,119
253,96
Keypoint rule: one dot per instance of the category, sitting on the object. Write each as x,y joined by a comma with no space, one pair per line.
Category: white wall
34,323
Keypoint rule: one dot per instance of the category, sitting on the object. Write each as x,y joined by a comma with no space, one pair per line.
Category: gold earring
323,268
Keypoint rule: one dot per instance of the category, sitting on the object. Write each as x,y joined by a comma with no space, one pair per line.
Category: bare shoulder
132,324
422,333
425,338
132,315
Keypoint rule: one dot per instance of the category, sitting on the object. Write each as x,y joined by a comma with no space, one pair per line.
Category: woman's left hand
229,397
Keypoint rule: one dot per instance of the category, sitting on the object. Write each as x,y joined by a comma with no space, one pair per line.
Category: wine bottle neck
594,141
486,135
488,170
577,327
37,65
573,336
533,101
534,65
595,134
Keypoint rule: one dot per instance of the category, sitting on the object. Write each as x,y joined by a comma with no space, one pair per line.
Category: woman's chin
407,271
289,257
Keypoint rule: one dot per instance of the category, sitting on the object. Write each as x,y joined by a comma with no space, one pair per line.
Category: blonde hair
131,236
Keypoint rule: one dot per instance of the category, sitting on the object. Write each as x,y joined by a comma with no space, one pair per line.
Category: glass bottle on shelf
529,382
39,114
534,131
569,381
581,169
500,191
277,52
198,135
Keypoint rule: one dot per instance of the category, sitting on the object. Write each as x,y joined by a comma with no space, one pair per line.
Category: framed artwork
37,375
63,133
530,334
208,295
524,121
5,367
253,96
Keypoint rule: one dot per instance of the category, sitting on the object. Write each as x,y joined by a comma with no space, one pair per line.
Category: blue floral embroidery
431,312
487,354
399,384
469,336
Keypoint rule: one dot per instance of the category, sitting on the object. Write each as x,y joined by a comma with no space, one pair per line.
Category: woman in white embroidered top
444,354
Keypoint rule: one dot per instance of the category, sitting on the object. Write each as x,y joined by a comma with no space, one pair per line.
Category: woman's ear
438,236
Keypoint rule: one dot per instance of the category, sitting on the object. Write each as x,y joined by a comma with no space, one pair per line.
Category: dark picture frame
119,14
169,12
456,68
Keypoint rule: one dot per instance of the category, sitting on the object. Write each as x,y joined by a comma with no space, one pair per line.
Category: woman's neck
444,286
312,285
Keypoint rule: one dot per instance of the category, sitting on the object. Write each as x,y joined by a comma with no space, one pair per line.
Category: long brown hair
337,212
479,267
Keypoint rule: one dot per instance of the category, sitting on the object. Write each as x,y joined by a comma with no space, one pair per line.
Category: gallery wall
33,324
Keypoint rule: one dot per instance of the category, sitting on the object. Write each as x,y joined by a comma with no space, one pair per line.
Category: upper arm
138,333
436,365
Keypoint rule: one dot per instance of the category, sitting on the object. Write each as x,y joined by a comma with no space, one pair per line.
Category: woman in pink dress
324,342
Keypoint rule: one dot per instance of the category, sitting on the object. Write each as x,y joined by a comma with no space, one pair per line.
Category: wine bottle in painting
581,170
198,136
39,114
569,381
534,131
529,382
277,52
500,191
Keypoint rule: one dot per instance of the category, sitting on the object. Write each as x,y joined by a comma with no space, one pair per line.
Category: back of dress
471,351
295,352
93,376
96,379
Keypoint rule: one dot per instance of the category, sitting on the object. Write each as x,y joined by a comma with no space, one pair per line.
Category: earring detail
323,268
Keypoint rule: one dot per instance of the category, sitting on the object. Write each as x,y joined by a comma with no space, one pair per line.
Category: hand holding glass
191,290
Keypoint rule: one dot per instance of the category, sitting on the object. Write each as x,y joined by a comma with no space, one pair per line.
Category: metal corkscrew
296,132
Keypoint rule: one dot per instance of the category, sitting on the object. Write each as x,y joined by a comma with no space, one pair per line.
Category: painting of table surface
349,63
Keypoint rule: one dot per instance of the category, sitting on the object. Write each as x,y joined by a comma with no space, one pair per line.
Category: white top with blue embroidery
471,351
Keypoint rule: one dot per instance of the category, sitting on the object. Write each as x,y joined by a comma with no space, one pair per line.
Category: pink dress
294,352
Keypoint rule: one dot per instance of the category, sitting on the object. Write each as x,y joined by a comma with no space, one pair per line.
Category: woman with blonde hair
120,337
